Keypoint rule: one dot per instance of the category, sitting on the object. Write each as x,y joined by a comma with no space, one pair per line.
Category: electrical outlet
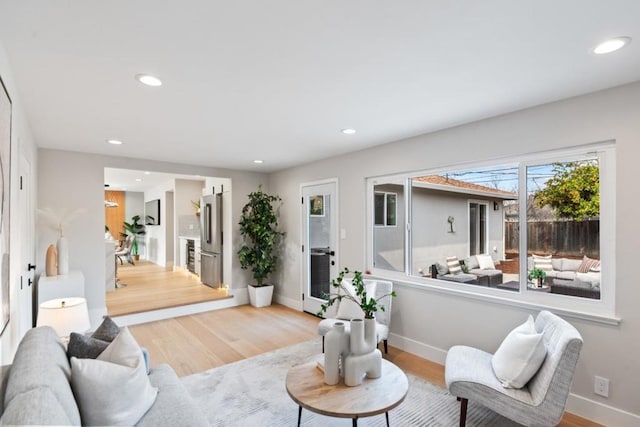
601,386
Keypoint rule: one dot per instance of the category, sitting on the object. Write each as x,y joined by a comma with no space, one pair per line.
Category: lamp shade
65,315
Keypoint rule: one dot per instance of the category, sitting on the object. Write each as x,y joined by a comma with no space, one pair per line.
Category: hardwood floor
203,341
151,287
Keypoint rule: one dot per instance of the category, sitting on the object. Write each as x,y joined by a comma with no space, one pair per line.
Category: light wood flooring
152,287
203,341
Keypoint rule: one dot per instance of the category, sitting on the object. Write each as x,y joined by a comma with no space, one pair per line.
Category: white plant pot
260,296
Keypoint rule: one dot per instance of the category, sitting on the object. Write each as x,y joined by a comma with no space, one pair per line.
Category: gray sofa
36,389
474,276
565,279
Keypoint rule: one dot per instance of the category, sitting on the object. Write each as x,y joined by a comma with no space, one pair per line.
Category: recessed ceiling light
138,179
147,173
148,80
611,45
114,141
348,131
257,161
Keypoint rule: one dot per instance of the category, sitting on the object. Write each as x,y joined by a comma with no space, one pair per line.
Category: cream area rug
252,392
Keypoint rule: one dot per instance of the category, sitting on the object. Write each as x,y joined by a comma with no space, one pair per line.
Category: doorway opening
161,211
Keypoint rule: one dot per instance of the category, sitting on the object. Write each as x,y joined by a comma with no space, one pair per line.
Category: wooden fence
561,238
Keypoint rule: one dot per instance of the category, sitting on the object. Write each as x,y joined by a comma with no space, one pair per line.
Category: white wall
22,143
430,322
156,237
84,173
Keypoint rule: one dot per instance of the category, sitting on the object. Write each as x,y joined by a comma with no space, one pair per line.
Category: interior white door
27,267
319,247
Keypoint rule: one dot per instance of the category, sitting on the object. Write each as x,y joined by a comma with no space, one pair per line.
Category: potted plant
135,229
259,251
538,275
368,304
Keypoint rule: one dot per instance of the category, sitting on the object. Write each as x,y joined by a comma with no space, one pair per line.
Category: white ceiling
136,180
277,80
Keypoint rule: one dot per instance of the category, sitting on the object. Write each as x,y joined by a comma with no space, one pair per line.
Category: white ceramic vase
336,348
63,255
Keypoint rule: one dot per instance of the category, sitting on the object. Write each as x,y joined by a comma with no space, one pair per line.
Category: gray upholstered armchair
469,376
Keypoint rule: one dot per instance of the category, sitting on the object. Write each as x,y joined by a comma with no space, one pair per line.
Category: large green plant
135,229
258,228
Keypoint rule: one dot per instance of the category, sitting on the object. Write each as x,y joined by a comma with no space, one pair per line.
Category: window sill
535,300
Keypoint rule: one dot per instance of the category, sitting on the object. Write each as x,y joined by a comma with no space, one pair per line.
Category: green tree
573,191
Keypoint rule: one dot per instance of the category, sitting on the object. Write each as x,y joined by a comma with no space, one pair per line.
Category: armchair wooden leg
386,350
463,411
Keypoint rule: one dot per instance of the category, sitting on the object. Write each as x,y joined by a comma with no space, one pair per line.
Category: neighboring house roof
443,183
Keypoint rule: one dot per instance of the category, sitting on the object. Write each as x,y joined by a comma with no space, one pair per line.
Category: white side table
62,286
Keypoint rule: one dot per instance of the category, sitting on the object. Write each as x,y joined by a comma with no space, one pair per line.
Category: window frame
603,309
385,209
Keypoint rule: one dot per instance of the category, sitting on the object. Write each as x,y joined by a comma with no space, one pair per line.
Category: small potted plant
259,252
135,229
368,304
538,275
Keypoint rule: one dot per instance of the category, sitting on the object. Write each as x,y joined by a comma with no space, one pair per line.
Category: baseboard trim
576,404
600,412
289,302
239,298
418,348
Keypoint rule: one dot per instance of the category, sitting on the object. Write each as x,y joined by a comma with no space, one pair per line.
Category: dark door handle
30,282
31,267
333,263
332,253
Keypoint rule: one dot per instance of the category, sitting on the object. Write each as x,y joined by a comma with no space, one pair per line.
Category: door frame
303,232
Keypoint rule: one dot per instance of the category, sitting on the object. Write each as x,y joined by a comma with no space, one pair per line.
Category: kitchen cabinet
190,254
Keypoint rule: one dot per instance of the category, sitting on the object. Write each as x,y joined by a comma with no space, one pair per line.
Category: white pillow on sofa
519,356
348,309
113,389
485,262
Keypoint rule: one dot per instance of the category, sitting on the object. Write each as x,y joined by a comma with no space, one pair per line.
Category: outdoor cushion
453,265
472,262
485,262
460,278
442,268
587,264
542,262
571,264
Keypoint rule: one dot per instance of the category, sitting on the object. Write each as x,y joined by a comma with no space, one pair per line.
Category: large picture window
471,218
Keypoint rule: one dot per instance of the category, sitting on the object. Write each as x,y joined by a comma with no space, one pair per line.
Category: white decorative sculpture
364,358
336,349
356,351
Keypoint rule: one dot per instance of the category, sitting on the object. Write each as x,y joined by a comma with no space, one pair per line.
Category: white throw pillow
519,356
348,309
542,262
485,262
113,389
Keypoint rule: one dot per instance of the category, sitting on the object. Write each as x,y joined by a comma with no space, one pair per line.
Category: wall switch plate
601,387
190,226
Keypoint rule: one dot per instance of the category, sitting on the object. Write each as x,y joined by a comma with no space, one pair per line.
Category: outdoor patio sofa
574,277
474,276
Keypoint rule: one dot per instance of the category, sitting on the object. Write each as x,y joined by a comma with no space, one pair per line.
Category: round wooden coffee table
306,386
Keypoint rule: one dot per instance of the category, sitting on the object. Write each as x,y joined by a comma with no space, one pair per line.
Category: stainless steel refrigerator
211,240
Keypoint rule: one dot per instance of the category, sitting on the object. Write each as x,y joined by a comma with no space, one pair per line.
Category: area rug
252,392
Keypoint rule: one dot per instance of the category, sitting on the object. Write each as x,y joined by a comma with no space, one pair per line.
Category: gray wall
435,320
432,240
